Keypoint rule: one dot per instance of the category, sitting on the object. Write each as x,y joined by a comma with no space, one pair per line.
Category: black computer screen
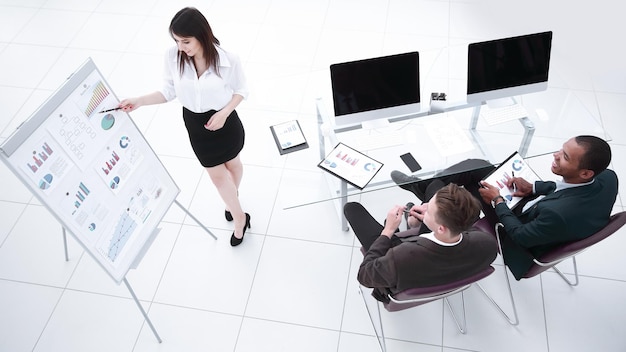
375,83
508,62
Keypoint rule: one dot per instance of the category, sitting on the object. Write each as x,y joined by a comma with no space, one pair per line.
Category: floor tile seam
36,10
595,277
411,341
19,110
608,92
167,262
21,5
32,283
284,322
15,202
10,231
102,294
310,241
250,290
26,88
192,308
252,47
545,313
190,222
258,261
39,9
345,296
52,312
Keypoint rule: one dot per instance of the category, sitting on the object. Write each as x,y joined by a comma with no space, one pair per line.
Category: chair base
380,337
461,324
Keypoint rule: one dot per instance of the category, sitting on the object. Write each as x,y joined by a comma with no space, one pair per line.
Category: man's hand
416,215
521,187
417,211
488,192
394,218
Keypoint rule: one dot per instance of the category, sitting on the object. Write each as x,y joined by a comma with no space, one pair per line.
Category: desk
438,140
455,132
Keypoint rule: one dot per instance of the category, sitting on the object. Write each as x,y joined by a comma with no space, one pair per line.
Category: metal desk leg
529,130
475,115
344,200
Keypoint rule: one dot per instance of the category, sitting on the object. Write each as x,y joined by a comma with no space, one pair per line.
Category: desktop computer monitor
376,88
508,67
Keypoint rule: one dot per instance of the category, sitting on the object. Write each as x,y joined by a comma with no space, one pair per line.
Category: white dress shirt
210,91
431,236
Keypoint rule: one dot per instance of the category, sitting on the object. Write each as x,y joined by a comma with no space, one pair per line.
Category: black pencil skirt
214,147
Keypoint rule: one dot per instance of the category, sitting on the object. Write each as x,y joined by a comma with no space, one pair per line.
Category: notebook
350,165
513,166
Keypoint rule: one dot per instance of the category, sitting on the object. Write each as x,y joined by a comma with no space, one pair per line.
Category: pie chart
107,121
124,142
45,182
115,182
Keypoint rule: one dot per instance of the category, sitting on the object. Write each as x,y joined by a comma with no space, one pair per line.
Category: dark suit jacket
563,216
422,263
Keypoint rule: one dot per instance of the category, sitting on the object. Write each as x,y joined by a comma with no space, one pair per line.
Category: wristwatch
496,201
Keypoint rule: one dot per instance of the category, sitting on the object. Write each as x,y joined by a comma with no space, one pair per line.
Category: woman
210,84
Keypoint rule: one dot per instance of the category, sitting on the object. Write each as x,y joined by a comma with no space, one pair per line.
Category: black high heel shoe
228,215
234,241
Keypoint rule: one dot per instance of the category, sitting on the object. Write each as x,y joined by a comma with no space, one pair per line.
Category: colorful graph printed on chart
513,166
46,164
98,93
118,162
353,166
80,195
122,233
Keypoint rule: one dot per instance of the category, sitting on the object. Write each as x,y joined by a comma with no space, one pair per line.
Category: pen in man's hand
109,110
514,187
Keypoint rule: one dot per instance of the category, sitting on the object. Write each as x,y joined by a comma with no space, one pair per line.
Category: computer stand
529,130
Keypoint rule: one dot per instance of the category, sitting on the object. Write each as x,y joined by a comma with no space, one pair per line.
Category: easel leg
145,316
194,219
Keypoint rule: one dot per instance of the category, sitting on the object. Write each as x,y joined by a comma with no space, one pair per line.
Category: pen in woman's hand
109,110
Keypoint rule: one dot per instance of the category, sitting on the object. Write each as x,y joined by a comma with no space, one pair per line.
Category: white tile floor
291,286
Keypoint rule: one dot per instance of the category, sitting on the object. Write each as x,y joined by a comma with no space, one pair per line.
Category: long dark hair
189,22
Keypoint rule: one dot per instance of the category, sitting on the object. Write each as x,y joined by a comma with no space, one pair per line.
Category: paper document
448,137
513,166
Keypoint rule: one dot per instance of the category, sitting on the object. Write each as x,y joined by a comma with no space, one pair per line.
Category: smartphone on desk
410,162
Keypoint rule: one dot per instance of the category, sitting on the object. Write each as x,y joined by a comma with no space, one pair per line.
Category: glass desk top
438,140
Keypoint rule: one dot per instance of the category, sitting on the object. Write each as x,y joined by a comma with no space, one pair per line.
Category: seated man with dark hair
570,209
396,261
554,212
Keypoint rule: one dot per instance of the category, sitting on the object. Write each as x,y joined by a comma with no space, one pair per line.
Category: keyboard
494,116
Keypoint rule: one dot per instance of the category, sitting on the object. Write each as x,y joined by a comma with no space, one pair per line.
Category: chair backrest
570,249
417,296
485,226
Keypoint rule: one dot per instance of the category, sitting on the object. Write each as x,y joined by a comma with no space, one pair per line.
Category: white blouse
209,91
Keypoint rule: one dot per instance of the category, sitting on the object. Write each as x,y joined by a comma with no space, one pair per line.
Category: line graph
124,229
